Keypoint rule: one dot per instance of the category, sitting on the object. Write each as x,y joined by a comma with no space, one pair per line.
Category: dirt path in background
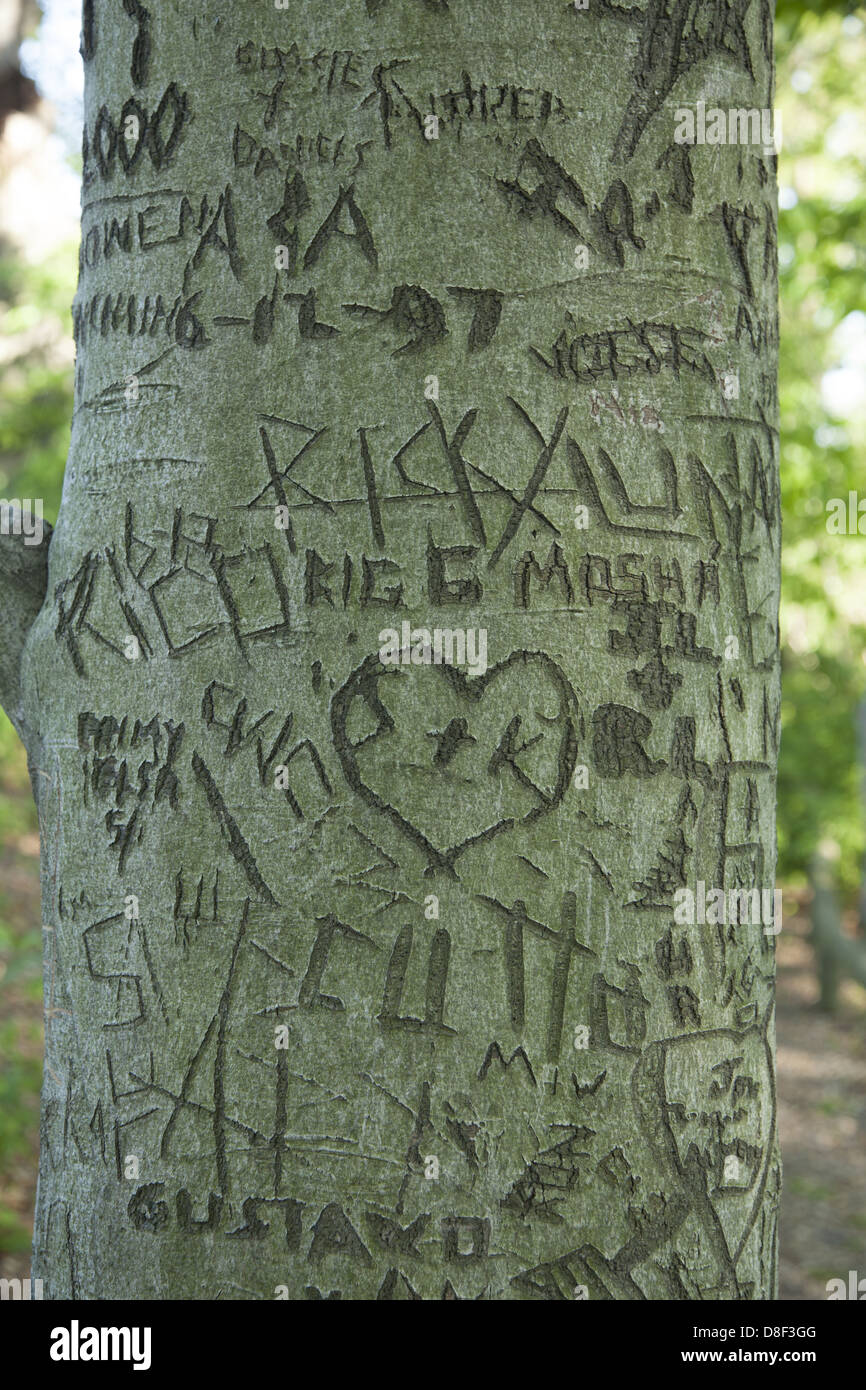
822,1125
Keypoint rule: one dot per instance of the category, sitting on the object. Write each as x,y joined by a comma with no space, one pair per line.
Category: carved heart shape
491,752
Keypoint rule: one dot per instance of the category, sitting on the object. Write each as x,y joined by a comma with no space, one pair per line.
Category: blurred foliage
821,94
35,417
36,403
790,12
20,1082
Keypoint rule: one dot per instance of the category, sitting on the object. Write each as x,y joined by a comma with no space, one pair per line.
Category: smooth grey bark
367,980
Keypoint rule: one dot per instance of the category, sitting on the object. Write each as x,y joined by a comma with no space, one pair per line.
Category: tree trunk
369,970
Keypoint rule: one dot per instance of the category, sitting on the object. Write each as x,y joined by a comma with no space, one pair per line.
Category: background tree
366,980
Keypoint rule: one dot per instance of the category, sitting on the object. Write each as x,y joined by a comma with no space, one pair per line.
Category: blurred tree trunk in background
17,92
376,980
